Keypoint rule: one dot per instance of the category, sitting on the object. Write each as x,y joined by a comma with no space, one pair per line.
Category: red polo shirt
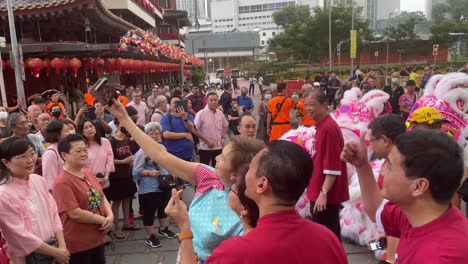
442,241
328,145
282,237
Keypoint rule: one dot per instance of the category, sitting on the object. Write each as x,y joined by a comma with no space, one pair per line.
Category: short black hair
435,156
97,136
176,92
10,148
40,100
410,82
186,90
280,87
227,86
53,131
388,125
64,145
286,158
211,93
175,96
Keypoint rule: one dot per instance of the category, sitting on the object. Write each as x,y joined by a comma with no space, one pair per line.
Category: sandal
131,227
119,235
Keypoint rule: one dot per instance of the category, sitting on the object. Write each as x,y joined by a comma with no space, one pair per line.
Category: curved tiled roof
33,4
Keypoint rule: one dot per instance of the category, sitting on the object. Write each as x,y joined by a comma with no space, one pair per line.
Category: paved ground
133,250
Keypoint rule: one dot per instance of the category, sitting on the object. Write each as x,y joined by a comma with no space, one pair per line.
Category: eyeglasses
234,192
27,156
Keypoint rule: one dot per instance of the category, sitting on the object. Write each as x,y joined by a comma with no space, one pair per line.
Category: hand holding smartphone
103,91
182,104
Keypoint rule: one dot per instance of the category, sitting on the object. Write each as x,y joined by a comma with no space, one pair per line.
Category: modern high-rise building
247,15
194,8
378,13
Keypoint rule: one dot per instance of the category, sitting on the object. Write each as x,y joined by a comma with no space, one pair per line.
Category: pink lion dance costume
447,94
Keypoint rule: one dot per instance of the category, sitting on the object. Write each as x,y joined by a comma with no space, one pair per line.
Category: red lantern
75,64
90,64
57,64
120,64
47,66
99,64
110,64
36,66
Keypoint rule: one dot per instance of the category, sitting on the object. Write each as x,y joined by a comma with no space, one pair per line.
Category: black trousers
329,217
152,202
209,155
251,89
331,97
91,256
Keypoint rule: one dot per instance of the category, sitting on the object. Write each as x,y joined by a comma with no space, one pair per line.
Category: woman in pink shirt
52,163
26,195
100,155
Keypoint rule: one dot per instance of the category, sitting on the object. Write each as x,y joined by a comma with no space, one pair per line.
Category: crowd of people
70,179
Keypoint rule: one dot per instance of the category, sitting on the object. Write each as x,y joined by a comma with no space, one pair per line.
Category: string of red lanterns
109,65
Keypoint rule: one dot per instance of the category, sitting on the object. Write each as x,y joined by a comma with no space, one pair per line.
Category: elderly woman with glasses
28,213
84,210
152,197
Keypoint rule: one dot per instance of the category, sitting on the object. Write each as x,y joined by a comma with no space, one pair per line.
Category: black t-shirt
123,149
225,101
394,97
334,83
233,123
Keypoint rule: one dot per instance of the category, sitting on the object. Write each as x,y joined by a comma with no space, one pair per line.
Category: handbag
36,258
166,182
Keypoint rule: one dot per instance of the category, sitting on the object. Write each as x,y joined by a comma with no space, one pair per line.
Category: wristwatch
324,191
184,235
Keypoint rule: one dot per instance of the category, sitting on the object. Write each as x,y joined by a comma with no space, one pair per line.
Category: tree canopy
306,37
451,16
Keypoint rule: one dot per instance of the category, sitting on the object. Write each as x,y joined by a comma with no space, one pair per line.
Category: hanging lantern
110,65
89,64
99,64
47,66
57,64
75,64
36,65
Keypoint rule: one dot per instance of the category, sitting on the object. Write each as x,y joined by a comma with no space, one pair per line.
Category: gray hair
318,94
152,126
13,119
159,100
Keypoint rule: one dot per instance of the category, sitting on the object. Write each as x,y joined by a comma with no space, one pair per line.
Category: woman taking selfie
211,219
22,193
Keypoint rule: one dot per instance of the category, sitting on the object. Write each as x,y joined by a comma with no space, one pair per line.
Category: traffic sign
376,54
435,49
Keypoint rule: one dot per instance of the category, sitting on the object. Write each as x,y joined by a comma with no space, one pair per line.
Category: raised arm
356,154
183,169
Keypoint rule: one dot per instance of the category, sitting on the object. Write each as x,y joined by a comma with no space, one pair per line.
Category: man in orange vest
279,121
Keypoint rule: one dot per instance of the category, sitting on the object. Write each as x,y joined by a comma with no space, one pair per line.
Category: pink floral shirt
28,215
407,100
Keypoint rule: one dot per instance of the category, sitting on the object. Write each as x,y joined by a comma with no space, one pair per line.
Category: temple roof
33,4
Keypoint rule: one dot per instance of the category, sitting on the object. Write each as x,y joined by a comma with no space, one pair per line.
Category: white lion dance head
447,94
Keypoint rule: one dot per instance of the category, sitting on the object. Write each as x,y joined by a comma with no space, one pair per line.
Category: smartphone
91,114
103,92
183,104
379,244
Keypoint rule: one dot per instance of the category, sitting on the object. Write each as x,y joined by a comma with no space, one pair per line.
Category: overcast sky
413,5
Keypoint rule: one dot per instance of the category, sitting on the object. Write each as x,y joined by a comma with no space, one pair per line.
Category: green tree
402,35
307,37
198,74
451,16
291,15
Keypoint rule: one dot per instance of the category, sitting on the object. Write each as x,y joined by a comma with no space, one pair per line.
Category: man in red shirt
328,187
281,235
422,173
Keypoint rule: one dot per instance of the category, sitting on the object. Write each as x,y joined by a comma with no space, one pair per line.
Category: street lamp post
181,62
330,59
352,28
15,52
388,39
